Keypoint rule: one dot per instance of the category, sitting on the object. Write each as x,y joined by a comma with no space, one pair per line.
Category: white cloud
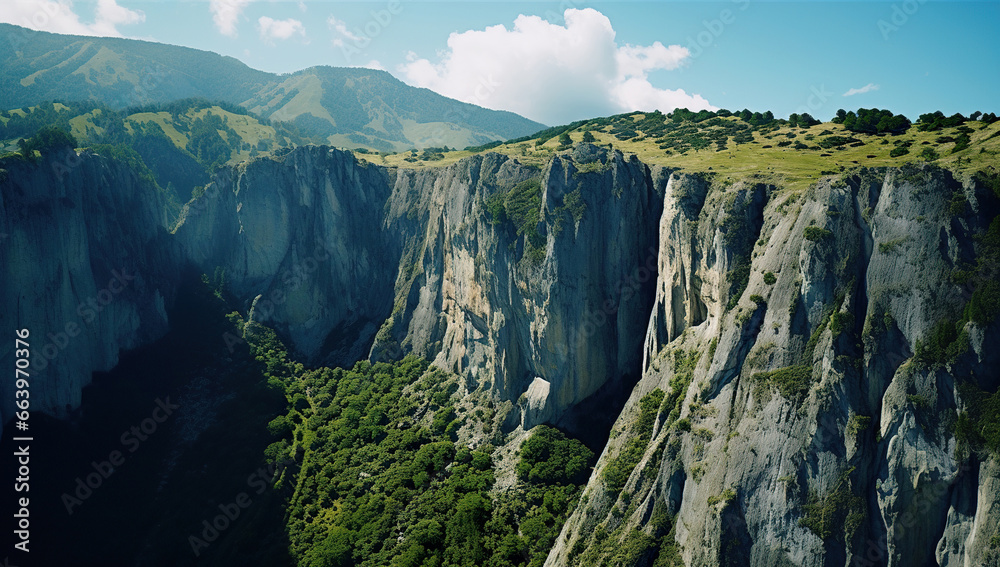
637,93
553,73
57,16
374,64
636,60
110,15
339,27
226,13
271,29
867,88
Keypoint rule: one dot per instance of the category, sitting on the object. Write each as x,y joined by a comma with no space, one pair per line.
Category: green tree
464,532
333,551
549,457
806,120
875,121
49,138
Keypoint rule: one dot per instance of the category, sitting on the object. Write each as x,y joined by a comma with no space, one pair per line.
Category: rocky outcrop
545,313
299,240
797,427
85,265
533,283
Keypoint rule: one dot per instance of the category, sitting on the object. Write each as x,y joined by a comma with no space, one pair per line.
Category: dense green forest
386,469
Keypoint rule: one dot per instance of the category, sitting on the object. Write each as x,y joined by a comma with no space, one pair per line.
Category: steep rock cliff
804,360
85,265
544,310
795,409
535,284
299,240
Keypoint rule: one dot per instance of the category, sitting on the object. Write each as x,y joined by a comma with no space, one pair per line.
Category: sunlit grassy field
762,157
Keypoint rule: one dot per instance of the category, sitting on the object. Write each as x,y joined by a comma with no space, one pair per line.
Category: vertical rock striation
805,421
299,240
86,266
512,275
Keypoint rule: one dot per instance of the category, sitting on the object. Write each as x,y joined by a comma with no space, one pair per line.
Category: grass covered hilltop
792,153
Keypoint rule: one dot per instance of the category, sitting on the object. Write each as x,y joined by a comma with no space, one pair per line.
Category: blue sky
556,62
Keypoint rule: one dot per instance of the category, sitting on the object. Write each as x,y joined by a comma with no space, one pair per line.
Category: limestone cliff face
546,318
85,266
544,315
797,427
350,260
299,239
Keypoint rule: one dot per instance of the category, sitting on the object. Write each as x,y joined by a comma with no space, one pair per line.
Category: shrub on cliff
47,139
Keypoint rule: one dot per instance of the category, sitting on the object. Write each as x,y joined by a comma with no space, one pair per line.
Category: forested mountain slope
348,107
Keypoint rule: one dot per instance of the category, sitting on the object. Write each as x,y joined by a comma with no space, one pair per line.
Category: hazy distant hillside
348,107
364,107
41,66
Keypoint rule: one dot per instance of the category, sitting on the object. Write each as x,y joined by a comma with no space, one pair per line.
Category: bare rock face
512,275
969,537
299,239
560,299
505,273
801,421
85,266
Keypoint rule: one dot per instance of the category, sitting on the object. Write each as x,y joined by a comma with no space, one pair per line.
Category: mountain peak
345,106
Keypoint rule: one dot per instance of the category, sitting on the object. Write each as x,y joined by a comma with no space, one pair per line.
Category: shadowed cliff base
157,445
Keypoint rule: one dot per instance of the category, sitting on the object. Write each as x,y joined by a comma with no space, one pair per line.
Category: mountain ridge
123,73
